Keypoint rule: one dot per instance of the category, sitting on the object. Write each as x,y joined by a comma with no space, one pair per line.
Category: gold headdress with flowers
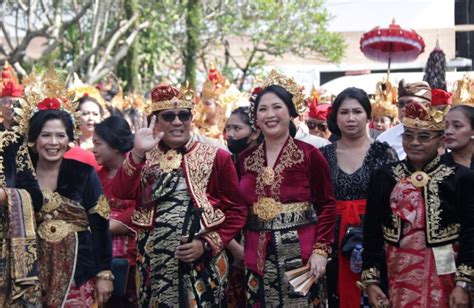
385,98
424,116
135,101
44,92
168,97
215,84
290,85
464,91
78,89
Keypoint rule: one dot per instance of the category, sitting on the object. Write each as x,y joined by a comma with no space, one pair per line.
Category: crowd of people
218,198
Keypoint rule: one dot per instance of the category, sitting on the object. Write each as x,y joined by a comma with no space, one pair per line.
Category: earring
71,144
472,137
31,144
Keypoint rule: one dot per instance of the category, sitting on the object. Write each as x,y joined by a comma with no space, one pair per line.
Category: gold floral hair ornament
78,90
290,85
44,92
215,84
464,91
384,109
134,101
168,97
385,100
424,116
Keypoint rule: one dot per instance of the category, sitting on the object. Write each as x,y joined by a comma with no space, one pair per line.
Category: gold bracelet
106,275
322,249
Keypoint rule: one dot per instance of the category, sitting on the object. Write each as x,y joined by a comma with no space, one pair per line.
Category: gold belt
56,230
268,208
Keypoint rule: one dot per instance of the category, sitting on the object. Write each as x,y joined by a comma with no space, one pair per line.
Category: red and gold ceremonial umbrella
392,44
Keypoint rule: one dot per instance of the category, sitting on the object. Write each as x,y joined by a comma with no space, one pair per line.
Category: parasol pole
389,63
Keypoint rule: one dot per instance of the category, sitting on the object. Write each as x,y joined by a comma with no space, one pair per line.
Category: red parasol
392,44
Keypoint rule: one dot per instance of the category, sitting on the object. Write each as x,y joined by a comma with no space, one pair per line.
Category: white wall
363,15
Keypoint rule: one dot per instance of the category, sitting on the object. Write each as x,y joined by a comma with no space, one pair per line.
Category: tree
271,29
87,37
276,28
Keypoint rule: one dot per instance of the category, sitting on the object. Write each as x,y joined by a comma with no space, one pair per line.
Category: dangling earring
31,144
71,144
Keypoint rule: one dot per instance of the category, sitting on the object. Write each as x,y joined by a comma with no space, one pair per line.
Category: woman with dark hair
113,139
240,135
72,225
286,185
351,160
459,135
239,131
91,113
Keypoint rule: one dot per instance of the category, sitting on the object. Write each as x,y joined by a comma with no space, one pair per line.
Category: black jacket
449,199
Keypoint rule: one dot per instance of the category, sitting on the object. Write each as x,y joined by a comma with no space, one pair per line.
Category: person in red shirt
112,140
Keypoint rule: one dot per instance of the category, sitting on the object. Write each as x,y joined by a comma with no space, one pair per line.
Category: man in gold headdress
188,207
418,223
417,91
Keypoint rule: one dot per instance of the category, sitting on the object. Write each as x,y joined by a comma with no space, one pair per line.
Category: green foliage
177,37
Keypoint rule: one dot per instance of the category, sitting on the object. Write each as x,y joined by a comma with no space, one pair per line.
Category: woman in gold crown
418,230
73,233
286,185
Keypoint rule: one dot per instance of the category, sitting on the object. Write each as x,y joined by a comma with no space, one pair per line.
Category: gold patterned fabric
59,220
19,281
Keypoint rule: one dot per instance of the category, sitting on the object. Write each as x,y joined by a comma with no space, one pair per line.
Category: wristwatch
463,285
206,246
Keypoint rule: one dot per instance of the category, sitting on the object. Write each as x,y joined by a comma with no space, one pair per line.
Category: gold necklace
170,161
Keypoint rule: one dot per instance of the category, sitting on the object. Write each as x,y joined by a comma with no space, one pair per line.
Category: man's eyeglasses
168,116
422,138
319,125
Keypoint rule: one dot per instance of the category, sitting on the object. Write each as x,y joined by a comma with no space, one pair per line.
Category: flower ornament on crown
168,97
44,92
424,116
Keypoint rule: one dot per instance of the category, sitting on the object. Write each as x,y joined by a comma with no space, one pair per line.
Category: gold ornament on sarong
268,176
51,200
267,208
419,179
102,207
170,161
55,231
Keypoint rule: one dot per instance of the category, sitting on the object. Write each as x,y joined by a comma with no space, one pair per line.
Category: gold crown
424,116
215,84
78,89
168,97
384,109
464,91
134,101
44,92
385,92
290,85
